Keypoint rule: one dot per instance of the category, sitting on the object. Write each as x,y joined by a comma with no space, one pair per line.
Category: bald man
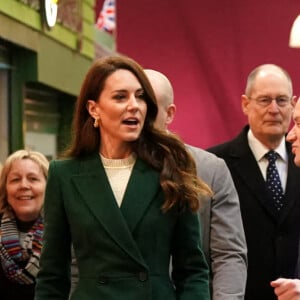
271,220
222,230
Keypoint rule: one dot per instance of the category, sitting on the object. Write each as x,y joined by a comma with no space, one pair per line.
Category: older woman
126,198
22,188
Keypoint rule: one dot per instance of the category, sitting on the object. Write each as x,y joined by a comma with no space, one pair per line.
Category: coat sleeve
228,250
189,270
53,280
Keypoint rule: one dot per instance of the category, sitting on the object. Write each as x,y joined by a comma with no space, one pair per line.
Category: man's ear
244,103
171,110
294,100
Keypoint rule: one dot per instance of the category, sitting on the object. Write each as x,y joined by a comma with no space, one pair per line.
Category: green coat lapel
92,184
142,188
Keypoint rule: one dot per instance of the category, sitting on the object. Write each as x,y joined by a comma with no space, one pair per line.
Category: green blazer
122,253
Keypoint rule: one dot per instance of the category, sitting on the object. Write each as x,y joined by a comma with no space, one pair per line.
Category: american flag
107,16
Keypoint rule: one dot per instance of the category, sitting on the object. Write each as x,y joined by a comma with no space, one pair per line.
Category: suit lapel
141,189
246,166
93,186
253,179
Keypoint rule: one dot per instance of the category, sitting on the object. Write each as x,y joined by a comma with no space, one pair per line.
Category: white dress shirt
259,150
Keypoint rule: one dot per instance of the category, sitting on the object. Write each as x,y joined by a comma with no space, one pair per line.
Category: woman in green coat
126,198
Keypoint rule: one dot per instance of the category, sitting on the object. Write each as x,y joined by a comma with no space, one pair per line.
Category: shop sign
50,8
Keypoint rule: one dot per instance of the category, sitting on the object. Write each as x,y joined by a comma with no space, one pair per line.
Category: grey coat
223,235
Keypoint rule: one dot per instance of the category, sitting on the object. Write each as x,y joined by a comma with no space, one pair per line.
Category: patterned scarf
12,253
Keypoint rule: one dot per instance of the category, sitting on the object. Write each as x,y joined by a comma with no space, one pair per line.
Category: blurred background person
266,179
223,236
285,288
126,199
293,136
22,188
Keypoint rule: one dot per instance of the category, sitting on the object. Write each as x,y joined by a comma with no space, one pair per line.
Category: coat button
143,276
102,280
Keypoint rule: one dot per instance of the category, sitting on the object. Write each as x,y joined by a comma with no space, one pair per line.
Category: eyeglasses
265,101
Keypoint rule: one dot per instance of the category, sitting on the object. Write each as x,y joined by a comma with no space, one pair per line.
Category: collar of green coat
93,186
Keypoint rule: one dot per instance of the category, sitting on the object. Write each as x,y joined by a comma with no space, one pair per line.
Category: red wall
207,48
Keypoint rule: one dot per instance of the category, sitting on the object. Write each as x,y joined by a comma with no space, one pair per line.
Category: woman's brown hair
163,151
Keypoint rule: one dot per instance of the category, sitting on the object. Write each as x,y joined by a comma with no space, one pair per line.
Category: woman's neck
116,152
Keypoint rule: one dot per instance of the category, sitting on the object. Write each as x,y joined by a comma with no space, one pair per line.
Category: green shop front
44,55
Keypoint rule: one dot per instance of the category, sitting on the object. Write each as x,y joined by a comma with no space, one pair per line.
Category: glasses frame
269,100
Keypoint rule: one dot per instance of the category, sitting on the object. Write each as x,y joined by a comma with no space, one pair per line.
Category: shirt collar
259,150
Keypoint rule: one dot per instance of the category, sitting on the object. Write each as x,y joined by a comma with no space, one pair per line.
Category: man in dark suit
271,231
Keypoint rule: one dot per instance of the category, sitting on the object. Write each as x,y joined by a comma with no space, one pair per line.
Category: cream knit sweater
118,172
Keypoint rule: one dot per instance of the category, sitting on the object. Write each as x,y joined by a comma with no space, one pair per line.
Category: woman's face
25,187
121,109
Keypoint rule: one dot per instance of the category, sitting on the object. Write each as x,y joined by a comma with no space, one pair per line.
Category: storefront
46,48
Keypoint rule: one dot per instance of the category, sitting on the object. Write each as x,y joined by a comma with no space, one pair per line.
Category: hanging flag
107,17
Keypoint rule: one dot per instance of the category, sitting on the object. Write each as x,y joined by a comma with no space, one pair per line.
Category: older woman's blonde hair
35,156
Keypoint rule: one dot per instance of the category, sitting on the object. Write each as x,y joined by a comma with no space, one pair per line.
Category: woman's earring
96,124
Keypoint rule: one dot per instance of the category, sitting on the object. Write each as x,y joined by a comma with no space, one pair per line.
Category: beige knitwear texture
118,172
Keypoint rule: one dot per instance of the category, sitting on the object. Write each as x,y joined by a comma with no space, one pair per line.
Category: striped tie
273,181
